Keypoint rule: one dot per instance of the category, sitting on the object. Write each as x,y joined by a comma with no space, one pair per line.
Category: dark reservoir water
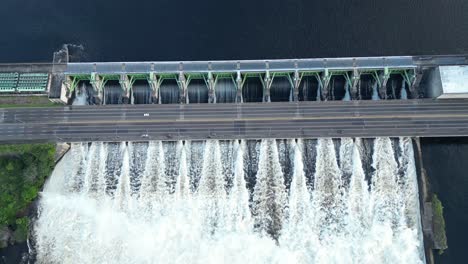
445,161
208,30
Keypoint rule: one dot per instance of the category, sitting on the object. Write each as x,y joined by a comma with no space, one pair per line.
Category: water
347,96
141,92
375,92
197,91
299,29
207,31
123,203
403,93
81,97
225,91
445,163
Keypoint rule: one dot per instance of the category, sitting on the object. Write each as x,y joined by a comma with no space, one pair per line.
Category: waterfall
375,92
319,92
211,191
298,230
81,97
269,195
123,192
403,93
79,153
358,194
385,199
94,178
328,190
346,159
239,195
154,184
310,201
347,96
182,189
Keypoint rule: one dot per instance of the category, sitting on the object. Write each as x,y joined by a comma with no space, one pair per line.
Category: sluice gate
255,80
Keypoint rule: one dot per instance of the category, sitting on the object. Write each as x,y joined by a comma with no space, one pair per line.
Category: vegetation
23,170
21,232
26,101
440,238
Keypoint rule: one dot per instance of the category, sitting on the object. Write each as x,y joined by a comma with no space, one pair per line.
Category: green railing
8,82
24,82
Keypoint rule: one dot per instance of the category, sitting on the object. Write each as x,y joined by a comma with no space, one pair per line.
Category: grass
29,105
440,237
23,171
26,101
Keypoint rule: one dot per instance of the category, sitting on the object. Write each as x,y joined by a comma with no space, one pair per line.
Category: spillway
257,201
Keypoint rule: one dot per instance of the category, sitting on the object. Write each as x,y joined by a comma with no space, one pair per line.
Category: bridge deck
281,65
420,118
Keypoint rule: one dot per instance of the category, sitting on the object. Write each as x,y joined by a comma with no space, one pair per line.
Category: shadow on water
14,254
252,91
445,161
198,91
169,92
225,91
141,92
113,93
280,90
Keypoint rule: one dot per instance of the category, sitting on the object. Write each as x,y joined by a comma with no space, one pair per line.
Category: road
415,118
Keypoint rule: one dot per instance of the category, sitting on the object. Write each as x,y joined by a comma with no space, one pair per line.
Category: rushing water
191,202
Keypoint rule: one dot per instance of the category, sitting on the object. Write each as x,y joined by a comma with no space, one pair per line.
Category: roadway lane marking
311,104
240,110
360,117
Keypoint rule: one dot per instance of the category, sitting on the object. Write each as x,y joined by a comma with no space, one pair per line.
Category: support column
155,85
98,86
326,77
183,85
413,81
355,83
70,85
383,79
126,85
297,82
239,83
211,83
266,87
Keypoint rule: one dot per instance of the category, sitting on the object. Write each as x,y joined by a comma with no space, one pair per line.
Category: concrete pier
412,70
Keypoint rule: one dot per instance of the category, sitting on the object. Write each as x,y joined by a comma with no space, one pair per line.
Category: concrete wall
433,83
454,81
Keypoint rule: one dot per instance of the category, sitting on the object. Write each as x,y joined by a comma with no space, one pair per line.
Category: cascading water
197,92
113,93
375,92
403,93
141,92
191,202
225,91
81,95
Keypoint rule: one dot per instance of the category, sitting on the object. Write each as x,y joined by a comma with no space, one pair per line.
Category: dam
300,161
255,81
112,101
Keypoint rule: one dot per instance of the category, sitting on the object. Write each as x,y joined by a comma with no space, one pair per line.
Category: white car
146,114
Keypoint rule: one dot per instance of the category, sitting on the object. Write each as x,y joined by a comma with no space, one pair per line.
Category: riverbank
23,172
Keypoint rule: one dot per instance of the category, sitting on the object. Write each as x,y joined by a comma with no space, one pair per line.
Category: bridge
252,99
414,118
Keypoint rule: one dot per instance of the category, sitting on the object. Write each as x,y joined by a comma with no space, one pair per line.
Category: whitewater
345,200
